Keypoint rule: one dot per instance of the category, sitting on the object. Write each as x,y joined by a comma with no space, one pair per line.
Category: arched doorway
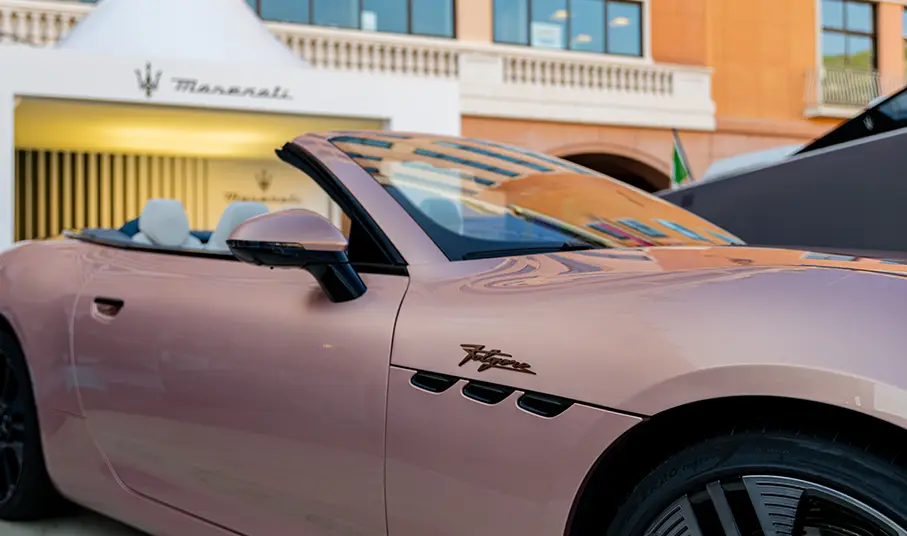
622,168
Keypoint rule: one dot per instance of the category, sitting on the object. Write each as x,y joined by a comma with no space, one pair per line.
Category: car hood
687,258
643,330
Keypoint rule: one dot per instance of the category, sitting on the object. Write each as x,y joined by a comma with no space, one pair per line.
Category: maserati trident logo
264,180
149,81
493,359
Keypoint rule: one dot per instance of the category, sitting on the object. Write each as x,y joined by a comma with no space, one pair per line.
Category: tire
26,491
840,479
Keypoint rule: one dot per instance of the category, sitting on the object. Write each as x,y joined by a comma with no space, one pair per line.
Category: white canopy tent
218,31
201,54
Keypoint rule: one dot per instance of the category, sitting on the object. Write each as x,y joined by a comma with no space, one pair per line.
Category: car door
237,393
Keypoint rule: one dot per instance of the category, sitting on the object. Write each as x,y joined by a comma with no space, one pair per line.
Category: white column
7,170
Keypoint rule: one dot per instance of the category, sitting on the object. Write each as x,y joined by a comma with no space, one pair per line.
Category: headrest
235,214
164,222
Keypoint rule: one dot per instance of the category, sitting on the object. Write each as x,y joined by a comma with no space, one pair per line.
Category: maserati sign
193,85
149,82
263,179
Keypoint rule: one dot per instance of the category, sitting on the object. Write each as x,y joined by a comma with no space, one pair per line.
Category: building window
904,31
284,11
848,34
421,17
604,26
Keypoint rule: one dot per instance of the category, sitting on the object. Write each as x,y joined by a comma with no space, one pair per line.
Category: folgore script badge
493,359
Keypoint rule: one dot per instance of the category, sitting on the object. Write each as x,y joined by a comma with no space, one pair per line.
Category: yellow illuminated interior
167,131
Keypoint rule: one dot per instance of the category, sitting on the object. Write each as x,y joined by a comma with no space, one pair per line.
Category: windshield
481,199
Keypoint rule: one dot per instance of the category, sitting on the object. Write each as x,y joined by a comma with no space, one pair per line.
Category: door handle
108,306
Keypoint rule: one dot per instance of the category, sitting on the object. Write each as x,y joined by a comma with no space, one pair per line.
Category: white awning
223,31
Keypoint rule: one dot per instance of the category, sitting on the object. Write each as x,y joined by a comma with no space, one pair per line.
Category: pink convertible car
489,341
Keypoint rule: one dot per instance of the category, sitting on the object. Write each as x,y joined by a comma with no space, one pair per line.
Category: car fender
873,397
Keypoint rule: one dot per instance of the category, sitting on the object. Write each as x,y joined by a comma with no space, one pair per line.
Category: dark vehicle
844,192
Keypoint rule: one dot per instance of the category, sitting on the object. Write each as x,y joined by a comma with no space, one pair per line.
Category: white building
130,99
148,98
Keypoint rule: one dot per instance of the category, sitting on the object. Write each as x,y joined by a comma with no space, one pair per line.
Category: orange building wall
680,31
891,45
760,52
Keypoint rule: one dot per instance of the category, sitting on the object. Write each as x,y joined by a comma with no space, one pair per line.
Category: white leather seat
164,223
236,213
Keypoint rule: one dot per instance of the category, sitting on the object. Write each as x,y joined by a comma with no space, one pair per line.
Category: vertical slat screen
105,205
59,190
79,191
67,192
133,203
93,195
41,201
192,204
118,189
27,187
55,196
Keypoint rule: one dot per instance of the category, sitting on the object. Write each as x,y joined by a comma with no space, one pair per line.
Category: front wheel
768,484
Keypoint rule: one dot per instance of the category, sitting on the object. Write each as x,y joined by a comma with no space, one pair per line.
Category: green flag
679,171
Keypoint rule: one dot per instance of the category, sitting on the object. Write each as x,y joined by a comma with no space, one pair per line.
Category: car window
477,198
895,109
884,116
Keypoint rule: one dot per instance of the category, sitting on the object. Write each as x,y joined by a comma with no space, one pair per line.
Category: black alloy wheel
768,484
760,505
12,428
26,491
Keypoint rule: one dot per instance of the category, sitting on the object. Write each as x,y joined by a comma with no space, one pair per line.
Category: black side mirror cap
332,269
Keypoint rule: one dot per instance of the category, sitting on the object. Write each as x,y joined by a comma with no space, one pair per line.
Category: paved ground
79,525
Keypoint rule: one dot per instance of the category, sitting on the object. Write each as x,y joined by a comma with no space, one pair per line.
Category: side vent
543,405
486,393
435,383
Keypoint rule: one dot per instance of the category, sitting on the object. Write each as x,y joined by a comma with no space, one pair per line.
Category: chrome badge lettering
493,359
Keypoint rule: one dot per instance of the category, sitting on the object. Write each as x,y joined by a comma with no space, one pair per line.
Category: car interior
164,226
164,223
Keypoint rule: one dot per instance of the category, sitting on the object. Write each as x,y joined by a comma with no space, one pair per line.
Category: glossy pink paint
224,398
267,423
286,226
41,282
457,466
642,333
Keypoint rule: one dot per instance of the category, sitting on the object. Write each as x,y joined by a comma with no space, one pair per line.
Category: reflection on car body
628,366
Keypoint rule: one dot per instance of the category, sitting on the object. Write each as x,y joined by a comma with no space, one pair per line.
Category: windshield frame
410,240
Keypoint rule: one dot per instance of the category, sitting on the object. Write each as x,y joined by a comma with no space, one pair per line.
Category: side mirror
299,238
